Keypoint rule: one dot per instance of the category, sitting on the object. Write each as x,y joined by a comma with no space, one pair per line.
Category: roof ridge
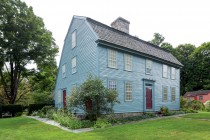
123,33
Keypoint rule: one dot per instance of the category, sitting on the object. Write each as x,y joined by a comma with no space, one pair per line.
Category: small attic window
73,39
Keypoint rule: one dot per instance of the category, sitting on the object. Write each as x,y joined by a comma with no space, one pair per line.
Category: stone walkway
51,122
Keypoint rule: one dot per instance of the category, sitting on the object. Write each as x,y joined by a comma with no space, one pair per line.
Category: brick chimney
121,24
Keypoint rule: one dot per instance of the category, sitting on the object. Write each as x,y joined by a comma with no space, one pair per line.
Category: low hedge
36,107
15,110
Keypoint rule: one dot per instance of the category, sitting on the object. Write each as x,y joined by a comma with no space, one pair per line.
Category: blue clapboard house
145,76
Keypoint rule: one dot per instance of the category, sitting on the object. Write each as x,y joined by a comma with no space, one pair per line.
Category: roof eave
108,44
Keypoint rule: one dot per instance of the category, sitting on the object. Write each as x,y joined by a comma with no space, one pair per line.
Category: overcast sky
179,21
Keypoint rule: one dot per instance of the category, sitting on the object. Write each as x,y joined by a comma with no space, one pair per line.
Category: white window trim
74,66
63,70
131,91
149,66
164,94
111,85
74,39
165,72
173,75
174,94
128,62
112,63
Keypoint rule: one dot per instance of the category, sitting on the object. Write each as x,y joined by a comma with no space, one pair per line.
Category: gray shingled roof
199,92
111,35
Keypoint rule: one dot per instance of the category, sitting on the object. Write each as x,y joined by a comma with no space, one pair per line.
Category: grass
22,128
200,115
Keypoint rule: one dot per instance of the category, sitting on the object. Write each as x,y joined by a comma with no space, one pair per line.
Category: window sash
165,71
64,71
128,62
200,97
173,94
173,73
165,94
73,37
74,65
112,59
112,84
128,91
148,66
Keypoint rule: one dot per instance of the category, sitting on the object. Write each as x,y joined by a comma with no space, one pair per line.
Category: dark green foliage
92,92
157,40
23,40
36,107
42,97
184,52
164,111
201,67
15,110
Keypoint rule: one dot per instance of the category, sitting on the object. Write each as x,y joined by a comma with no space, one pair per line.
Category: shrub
102,123
93,98
195,105
69,121
36,107
15,110
183,102
165,111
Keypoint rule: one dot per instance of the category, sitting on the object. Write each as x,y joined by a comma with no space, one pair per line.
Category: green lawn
200,115
180,128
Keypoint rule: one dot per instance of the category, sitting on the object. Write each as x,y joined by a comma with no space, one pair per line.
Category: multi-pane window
200,97
128,91
128,62
173,94
64,71
74,65
73,39
112,59
148,66
173,73
165,71
165,93
112,84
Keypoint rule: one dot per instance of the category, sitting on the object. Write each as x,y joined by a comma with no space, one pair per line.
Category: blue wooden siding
136,76
93,59
85,52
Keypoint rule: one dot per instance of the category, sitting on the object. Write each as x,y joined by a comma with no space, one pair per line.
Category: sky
179,21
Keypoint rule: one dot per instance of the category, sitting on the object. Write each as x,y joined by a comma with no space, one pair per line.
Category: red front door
148,98
64,98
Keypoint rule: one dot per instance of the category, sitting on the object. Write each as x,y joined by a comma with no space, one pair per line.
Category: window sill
128,70
112,68
128,100
74,73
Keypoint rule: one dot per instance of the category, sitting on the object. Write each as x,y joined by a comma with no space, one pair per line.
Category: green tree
183,53
43,82
157,40
93,98
201,67
167,46
23,39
